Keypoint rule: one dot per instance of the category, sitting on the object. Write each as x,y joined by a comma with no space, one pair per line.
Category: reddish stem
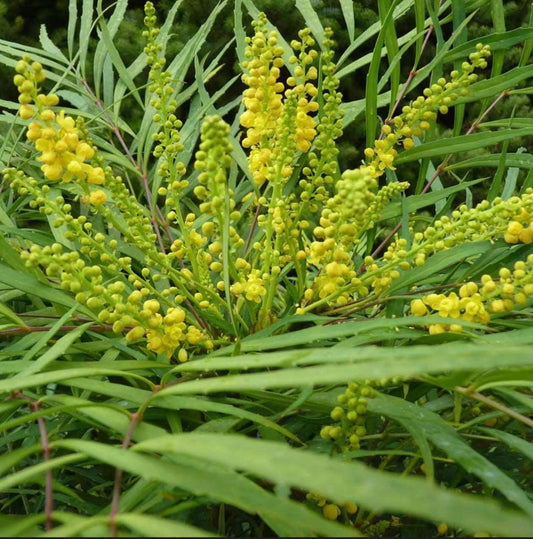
49,480
115,502
144,177
30,329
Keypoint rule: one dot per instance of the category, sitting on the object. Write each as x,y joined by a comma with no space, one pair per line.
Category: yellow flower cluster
252,287
357,202
333,278
56,136
62,151
486,221
276,127
263,97
476,304
213,160
322,168
108,296
468,305
513,288
304,71
166,333
29,75
416,118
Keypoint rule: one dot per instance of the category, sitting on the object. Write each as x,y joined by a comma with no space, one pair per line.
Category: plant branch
469,392
32,329
142,172
439,170
115,502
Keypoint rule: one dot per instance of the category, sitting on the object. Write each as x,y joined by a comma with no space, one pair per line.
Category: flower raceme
478,303
63,151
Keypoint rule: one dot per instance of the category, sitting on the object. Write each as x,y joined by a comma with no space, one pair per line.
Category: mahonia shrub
293,241
264,228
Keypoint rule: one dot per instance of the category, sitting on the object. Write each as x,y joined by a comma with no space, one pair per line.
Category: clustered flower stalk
288,239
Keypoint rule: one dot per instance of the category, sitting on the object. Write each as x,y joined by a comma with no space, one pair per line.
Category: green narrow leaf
48,45
20,526
343,482
459,16
511,179
56,350
118,63
75,526
528,43
439,262
6,312
514,442
178,403
445,438
333,373
30,285
393,52
496,85
349,19
400,10
101,52
420,15
371,93
497,12
30,473
461,143
201,477
152,526
44,378
517,160
238,28
416,202
9,460
86,23
497,41
72,22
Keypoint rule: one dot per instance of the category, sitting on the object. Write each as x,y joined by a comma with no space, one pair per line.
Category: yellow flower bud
418,308
26,112
152,305
135,334
331,511
97,198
